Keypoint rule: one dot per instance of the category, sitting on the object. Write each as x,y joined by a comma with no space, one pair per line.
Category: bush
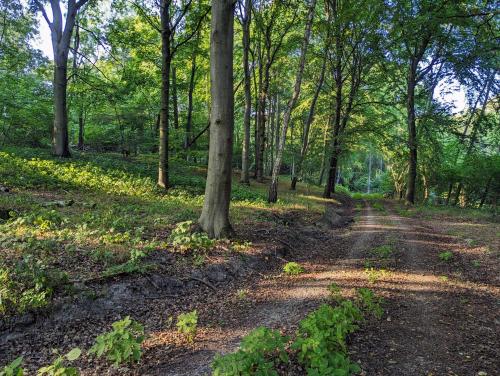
292,268
122,344
187,324
370,303
261,350
446,256
321,339
28,286
183,239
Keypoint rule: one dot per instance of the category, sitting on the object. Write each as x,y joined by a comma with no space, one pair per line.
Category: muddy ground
441,318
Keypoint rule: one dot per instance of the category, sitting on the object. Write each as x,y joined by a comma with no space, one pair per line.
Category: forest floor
440,312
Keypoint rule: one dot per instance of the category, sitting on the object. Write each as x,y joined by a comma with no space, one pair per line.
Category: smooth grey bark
61,36
245,150
214,217
273,187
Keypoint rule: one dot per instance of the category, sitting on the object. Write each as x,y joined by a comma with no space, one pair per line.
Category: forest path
432,325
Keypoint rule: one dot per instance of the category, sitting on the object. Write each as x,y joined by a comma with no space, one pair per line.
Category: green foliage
370,303
261,350
122,344
58,368
187,324
293,268
378,205
183,239
320,341
29,285
14,368
335,292
374,274
446,256
383,251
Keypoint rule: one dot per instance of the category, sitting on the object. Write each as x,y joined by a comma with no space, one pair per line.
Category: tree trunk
307,124
60,139
245,150
61,36
189,120
273,188
332,171
412,133
81,125
485,194
261,125
174,98
163,173
449,194
214,218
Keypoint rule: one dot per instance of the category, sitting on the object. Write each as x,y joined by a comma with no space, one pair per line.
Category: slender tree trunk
449,194
323,157
369,173
330,182
412,133
273,188
485,194
163,172
272,131
189,120
261,124
245,150
214,218
307,124
81,125
175,99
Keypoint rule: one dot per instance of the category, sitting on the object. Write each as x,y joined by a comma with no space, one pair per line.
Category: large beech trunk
214,218
273,187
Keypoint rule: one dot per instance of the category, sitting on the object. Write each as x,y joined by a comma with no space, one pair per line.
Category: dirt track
437,321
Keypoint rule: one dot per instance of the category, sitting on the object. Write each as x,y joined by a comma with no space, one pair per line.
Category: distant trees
347,94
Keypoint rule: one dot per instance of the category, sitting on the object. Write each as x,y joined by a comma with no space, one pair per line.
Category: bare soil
441,318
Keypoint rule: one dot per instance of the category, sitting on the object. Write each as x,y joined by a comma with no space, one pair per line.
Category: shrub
122,344
370,303
261,350
14,368
292,268
29,285
446,256
187,324
335,292
183,239
57,368
321,339
384,251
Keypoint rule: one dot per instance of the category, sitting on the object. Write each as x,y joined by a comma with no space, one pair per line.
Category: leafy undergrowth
319,345
96,216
